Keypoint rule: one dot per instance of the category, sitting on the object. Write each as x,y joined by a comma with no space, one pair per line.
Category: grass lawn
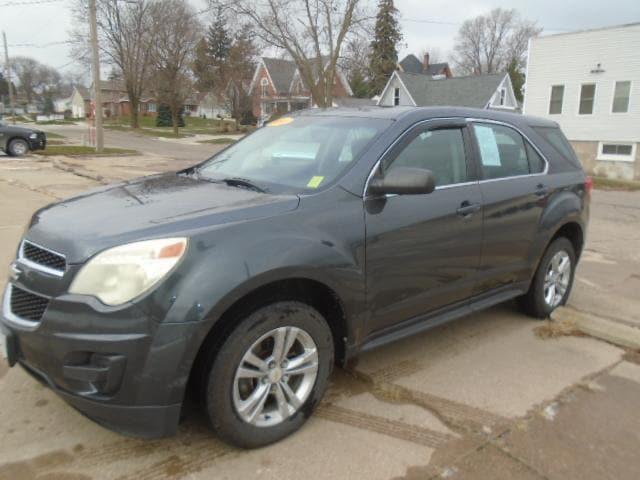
219,141
80,150
57,122
612,184
54,135
54,142
193,126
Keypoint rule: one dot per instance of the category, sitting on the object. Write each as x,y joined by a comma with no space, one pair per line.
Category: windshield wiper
243,182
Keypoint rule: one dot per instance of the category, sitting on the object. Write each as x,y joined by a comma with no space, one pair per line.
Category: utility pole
8,67
96,76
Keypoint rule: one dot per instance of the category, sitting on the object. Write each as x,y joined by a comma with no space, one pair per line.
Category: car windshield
298,153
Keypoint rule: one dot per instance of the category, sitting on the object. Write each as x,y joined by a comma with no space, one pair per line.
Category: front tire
269,374
18,147
553,280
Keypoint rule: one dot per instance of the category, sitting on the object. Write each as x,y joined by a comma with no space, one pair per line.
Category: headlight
122,273
33,136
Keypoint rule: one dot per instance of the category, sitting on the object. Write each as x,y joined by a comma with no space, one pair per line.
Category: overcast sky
426,24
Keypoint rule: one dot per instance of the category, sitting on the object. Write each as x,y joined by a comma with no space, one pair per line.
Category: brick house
277,87
115,100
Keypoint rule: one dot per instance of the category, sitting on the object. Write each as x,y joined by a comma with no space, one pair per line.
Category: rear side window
441,151
502,151
536,162
559,142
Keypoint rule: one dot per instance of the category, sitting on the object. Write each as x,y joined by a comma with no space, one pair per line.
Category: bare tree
176,33
489,43
124,35
34,78
312,32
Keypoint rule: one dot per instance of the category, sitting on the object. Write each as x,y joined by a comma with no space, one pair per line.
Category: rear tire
18,147
258,393
552,282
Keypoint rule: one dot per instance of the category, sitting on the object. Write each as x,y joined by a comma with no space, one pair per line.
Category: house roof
411,64
473,91
112,85
84,92
436,68
281,73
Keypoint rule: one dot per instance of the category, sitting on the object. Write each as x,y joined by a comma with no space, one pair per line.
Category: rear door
514,192
423,251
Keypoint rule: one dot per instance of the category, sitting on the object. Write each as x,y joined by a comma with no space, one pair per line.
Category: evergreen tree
359,85
218,39
163,119
517,79
48,103
384,47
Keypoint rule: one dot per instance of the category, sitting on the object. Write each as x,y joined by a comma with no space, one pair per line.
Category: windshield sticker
315,181
280,122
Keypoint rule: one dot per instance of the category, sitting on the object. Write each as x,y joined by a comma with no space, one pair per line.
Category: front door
423,251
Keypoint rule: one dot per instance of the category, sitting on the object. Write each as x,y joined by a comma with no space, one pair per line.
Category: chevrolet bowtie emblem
14,271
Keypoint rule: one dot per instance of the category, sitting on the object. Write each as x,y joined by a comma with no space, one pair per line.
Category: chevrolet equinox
324,234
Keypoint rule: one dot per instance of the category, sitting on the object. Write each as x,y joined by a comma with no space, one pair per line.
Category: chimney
425,61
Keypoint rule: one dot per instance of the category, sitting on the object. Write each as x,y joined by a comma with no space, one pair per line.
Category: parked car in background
17,141
319,236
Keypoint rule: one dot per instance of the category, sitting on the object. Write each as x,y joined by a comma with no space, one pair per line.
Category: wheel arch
306,290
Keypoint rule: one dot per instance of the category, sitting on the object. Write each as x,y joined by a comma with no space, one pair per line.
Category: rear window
559,142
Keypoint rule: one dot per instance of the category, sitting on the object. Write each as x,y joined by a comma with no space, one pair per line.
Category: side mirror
403,181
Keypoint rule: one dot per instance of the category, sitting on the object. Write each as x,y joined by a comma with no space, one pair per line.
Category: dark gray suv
324,234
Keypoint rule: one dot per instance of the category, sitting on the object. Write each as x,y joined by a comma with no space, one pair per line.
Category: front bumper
39,143
121,368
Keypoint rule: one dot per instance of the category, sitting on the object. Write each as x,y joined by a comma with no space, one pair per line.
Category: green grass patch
603,183
218,141
81,150
54,135
57,122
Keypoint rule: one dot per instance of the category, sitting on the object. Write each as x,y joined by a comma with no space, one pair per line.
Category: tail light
588,185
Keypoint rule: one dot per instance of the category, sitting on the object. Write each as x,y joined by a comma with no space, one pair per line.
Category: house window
503,94
264,83
396,97
621,95
587,96
152,108
555,102
624,152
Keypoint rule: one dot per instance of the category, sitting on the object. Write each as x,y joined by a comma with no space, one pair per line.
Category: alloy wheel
275,376
557,278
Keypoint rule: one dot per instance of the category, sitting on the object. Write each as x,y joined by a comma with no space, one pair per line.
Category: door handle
467,208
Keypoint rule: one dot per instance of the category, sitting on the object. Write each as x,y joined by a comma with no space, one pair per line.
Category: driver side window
441,151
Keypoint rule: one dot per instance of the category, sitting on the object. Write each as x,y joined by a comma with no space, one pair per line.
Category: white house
493,91
589,82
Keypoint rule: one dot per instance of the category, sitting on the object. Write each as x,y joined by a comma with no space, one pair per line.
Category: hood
151,207
20,130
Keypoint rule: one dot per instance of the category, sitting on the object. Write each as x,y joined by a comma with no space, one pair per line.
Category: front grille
26,305
43,257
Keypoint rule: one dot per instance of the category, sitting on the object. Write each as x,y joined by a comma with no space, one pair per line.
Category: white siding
387,95
568,59
510,102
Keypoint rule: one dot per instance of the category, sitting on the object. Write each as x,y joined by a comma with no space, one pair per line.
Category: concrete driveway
494,395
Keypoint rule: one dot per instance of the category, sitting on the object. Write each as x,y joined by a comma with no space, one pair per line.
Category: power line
41,45
29,2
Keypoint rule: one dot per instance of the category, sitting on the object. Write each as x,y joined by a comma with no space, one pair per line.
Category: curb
598,327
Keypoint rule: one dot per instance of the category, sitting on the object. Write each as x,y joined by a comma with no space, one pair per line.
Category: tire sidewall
555,247
219,390
12,151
